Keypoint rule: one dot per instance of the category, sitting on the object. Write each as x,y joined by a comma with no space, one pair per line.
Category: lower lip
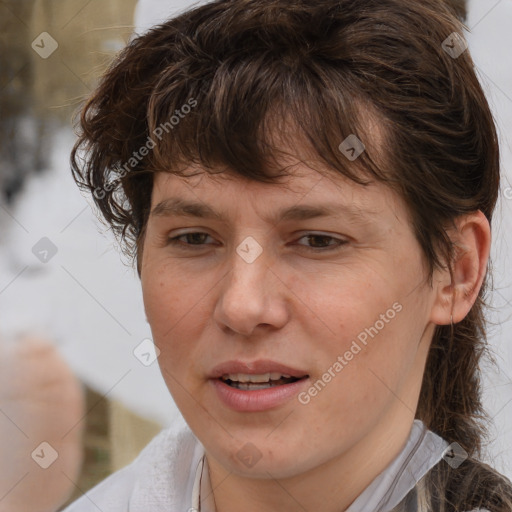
258,399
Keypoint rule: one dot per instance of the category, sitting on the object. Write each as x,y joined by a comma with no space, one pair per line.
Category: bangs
256,110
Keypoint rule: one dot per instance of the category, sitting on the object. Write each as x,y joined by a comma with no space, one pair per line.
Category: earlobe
456,292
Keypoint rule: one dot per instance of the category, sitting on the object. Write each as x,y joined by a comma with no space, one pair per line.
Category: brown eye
195,239
322,242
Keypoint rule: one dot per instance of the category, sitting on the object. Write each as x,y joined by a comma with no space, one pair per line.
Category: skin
207,305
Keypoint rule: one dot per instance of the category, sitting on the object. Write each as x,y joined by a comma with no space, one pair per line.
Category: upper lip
255,368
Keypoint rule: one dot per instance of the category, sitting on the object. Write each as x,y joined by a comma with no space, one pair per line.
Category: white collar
202,493
422,452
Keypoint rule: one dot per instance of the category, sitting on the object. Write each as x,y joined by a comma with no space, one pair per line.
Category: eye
196,240
198,236
324,239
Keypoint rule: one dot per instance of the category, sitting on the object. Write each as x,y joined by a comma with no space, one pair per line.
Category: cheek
372,326
168,297
177,308
373,357
342,306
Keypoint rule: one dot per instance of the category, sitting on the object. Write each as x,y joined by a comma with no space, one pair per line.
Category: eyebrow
179,207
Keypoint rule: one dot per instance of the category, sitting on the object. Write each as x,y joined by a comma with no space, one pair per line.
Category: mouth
252,382
255,386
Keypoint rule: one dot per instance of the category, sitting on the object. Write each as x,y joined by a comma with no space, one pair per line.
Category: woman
307,188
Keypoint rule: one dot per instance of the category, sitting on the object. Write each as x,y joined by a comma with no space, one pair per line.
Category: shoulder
111,494
155,479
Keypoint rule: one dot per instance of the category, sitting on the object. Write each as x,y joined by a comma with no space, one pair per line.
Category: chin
267,462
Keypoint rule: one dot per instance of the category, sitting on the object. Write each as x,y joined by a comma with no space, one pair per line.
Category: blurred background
70,300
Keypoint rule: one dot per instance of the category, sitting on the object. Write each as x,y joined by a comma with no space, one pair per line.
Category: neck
330,487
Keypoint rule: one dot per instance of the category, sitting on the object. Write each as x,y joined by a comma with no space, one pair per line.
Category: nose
252,297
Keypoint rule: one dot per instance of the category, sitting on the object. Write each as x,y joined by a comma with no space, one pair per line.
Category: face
314,287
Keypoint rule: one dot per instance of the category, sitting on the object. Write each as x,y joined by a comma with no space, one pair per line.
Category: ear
455,294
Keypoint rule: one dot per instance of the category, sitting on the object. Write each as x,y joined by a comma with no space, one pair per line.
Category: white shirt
171,474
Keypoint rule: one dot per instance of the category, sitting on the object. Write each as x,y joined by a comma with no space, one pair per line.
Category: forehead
304,193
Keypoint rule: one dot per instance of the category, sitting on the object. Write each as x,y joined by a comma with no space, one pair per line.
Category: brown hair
330,67
460,8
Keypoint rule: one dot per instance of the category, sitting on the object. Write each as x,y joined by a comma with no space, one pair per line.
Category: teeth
263,377
245,386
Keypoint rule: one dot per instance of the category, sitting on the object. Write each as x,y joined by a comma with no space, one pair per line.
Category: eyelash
175,241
